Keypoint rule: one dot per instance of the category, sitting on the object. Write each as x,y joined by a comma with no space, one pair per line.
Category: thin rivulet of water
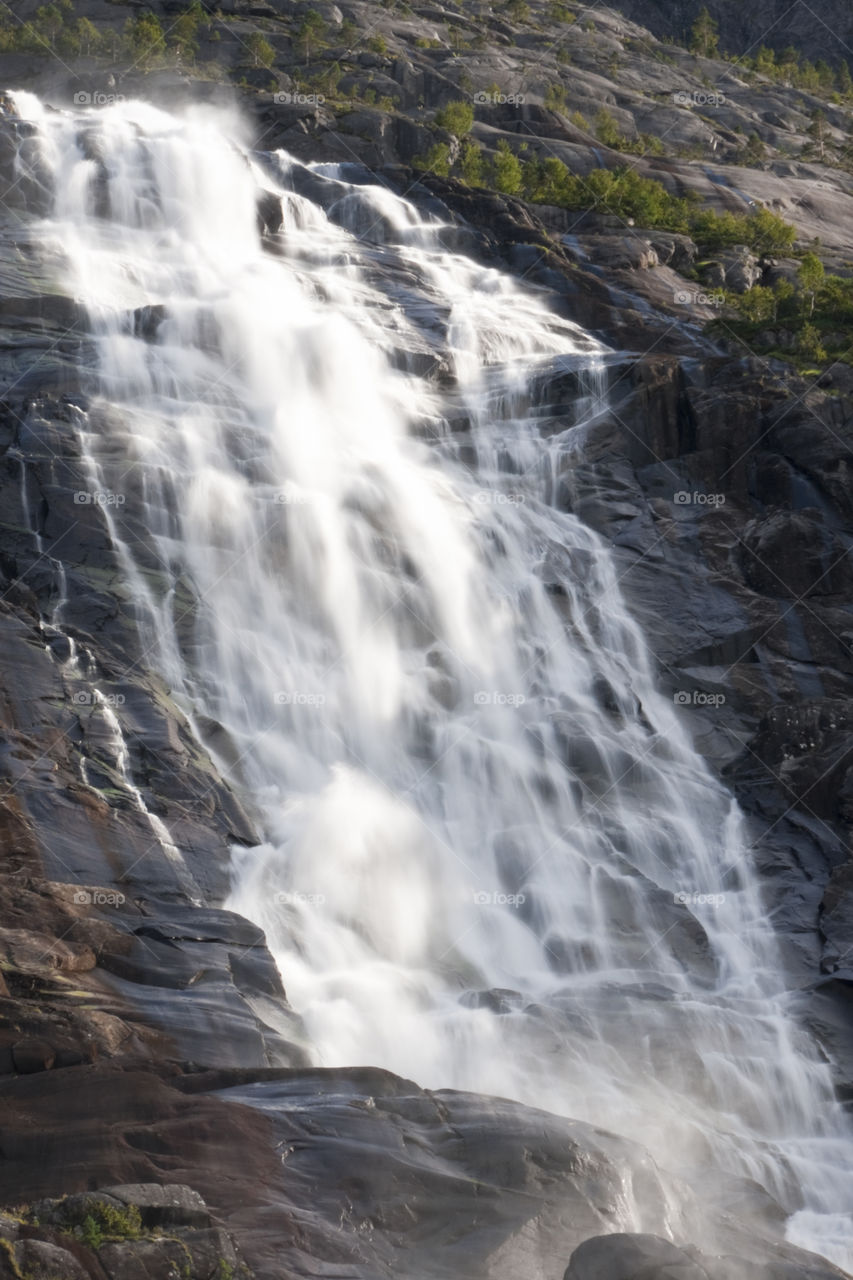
492,859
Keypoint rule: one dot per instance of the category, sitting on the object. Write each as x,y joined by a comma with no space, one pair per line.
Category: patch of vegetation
555,97
259,50
790,69
704,36
456,117
506,171
609,135
101,1221
517,10
436,160
9,1256
809,322
56,29
762,231
311,35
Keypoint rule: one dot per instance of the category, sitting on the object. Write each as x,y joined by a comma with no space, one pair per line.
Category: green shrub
144,39
762,231
456,117
506,171
809,345
101,1221
311,34
555,97
471,164
436,160
607,130
259,50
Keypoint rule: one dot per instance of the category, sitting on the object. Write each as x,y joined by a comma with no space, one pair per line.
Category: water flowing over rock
314,510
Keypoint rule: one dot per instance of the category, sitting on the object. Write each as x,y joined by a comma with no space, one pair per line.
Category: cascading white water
492,859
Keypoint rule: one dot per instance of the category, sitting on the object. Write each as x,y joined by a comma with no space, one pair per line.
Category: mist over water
491,859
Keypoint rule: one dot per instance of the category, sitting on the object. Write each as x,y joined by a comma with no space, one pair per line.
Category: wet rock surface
645,1257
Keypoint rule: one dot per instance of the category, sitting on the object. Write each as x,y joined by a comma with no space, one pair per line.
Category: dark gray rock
632,1257
168,1205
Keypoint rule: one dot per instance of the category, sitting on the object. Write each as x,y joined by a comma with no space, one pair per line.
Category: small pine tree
311,33
810,276
607,130
757,304
755,151
704,40
810,346
260,50
456,117
506,170
89,37
436,160
144,39
471,164
765,62
817,132
183,35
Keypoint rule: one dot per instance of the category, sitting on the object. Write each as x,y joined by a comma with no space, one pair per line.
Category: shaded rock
168,1205
632,1257
742,269
673,250
33,1055
793,553
806,752
41,1260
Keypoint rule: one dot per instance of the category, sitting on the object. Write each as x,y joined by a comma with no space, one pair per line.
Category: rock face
644,1257
455,1184
141,1232
771,22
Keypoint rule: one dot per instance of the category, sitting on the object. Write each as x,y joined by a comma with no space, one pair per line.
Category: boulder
632,1257
42,1260
169,1205
794,554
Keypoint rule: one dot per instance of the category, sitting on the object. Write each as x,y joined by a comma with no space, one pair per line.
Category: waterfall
492,859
